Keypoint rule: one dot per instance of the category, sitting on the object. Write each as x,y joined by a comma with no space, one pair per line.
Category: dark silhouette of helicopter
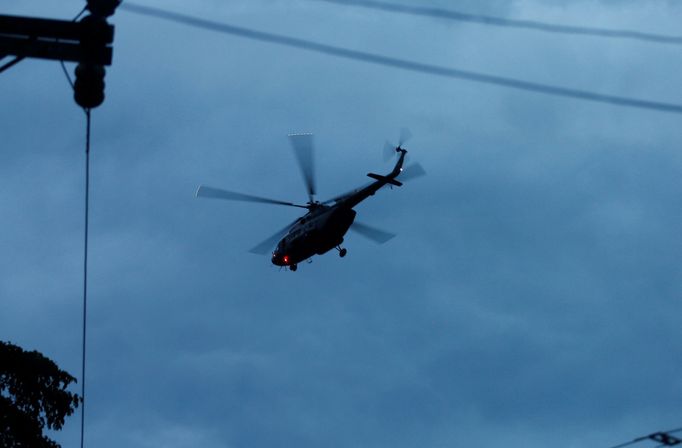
326,223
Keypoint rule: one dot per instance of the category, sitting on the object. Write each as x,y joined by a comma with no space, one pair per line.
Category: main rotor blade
266,245
218,193
412,172
303,148
374,234
405,135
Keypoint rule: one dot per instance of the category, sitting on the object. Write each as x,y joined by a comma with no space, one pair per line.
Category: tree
33,396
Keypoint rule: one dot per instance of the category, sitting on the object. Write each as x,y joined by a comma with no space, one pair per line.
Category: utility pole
87,41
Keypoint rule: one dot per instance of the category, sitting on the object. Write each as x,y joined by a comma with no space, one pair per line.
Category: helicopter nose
277,259
280,260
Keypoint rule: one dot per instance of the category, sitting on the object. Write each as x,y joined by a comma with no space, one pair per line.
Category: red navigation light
286,259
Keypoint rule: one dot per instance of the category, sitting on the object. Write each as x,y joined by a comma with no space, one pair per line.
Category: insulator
88,89
103,8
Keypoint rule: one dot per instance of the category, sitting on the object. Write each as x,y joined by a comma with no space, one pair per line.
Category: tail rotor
391,150
411,170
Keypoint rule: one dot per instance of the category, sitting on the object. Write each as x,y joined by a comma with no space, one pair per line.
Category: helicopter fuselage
316,233
323,227
325,224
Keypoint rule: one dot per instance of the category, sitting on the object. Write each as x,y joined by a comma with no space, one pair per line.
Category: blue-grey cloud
529,299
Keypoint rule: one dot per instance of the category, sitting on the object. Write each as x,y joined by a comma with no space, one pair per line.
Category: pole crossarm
85,41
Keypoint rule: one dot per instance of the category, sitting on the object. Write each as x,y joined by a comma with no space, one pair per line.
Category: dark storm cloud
528,300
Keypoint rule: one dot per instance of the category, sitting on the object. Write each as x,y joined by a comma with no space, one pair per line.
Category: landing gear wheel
293,267
342,253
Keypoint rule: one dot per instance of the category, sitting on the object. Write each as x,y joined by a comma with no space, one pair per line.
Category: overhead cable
665,438
85,271
404,64
11,63
510,23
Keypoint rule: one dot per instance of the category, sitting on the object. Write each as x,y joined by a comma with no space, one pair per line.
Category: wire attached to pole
9,64
88,120
85,267
66,73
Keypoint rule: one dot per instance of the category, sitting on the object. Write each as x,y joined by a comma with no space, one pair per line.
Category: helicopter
324,225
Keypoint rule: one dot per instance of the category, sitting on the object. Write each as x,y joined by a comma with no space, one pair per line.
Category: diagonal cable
11,63
652,436
403,64
509,23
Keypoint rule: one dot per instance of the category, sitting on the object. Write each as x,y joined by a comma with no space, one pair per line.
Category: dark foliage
33,396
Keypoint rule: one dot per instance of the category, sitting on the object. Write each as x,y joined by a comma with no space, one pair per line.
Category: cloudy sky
531,298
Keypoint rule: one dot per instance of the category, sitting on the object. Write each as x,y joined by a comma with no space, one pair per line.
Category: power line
509,23
404,64
86,228
66,73
85,267
9,64
665,438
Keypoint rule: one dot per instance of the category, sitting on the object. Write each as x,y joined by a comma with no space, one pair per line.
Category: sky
530,299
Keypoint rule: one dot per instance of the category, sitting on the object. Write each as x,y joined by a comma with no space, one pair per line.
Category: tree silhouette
33,395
